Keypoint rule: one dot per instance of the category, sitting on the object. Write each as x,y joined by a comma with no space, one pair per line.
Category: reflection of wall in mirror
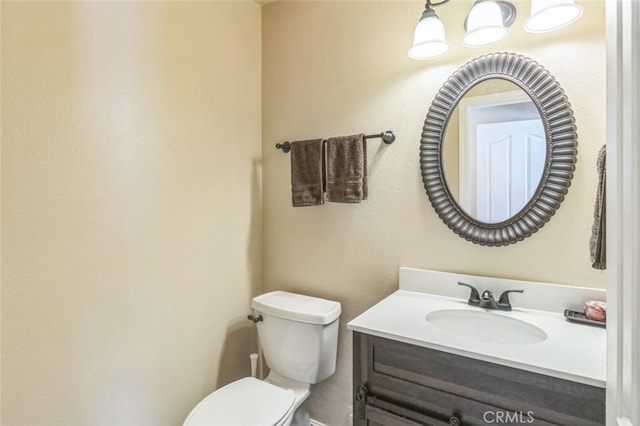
451,154
491,86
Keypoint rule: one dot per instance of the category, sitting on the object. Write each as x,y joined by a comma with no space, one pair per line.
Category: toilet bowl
299,338
245,402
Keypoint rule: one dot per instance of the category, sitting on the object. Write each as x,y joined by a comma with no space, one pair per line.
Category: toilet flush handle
255,319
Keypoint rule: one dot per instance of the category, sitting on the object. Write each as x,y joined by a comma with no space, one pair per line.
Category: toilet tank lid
297,307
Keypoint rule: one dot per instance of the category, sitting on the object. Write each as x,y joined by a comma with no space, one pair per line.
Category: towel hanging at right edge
598,242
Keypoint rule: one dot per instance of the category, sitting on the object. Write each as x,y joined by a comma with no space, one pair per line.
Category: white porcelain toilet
299,338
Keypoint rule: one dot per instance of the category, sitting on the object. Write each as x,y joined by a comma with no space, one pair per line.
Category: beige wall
130,207
333,68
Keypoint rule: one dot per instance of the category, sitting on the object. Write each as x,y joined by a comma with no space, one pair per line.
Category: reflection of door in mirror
510,159
502,154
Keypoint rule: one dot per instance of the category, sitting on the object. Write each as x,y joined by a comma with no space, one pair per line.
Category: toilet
299,338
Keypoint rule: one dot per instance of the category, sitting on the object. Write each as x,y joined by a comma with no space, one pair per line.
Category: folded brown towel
346,169
307,171
598,241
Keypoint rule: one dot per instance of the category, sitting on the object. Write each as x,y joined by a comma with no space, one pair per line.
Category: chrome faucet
486,301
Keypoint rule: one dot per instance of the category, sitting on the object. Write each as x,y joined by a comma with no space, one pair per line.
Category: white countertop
571,351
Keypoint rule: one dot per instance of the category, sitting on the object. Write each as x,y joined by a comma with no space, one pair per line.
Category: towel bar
387,137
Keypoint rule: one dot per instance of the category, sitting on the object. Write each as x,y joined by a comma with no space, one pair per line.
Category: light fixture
428,38
488,22
549,15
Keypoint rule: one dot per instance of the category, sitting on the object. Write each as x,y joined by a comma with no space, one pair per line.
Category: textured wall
332,68
130,207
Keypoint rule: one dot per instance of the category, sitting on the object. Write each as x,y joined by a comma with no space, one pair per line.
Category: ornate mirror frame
561,142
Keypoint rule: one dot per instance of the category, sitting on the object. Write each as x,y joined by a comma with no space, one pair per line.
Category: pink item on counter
596,310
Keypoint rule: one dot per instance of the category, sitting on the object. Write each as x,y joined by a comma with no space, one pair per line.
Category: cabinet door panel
378,417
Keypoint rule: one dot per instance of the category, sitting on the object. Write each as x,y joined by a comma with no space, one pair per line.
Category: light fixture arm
431,4
428,7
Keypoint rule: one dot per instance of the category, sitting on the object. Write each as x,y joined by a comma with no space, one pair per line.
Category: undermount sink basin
485,326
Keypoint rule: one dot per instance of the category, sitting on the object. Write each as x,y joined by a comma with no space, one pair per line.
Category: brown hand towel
346,169
307,171
598,241
365,186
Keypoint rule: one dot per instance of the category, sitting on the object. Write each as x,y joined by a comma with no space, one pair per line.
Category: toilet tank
298,334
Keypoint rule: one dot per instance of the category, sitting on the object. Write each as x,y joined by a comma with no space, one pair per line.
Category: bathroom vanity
530,367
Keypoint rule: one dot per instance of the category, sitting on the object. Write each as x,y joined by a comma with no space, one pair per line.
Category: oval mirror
498,149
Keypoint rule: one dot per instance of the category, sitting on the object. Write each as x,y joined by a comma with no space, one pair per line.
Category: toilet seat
245,402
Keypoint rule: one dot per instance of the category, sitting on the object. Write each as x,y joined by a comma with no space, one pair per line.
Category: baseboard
316,423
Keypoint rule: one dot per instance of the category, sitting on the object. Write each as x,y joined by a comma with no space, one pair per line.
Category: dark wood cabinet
396,383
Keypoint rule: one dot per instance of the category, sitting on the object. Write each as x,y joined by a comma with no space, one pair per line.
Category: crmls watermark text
508,417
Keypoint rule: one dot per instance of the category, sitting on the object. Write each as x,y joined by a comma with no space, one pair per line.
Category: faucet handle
504,299
474,297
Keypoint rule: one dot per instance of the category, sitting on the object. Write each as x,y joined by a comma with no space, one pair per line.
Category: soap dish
578,316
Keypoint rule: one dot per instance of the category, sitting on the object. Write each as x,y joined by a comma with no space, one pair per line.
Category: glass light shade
484,24
428,39
549,15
